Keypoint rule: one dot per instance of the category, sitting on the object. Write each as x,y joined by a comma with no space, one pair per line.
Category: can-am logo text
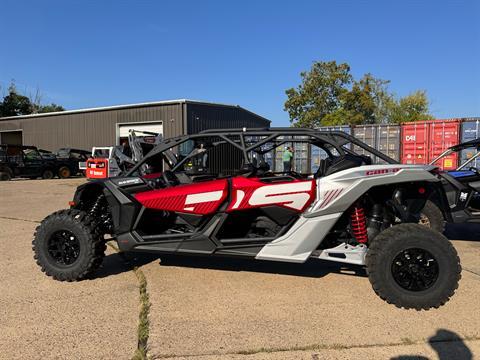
381,171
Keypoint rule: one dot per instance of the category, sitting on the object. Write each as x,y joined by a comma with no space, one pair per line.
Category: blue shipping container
470,131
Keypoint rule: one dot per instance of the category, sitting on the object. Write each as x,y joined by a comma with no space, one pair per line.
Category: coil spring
359,224
97,205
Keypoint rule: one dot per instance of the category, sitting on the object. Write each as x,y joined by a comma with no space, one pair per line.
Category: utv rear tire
67,247
432,217
47,174
64,172
412,266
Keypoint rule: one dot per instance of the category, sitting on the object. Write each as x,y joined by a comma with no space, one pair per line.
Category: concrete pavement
212,308
41,318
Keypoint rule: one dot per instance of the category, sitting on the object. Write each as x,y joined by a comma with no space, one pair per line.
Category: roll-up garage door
11,137
156,127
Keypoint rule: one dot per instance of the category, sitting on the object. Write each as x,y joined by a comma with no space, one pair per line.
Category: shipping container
301,156
388,141
470,130
317,154
422,141
414,140
382,137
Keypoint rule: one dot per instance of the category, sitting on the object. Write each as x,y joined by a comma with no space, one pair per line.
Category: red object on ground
423,141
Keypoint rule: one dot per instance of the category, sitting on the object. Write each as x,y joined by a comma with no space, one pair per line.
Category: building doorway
13,137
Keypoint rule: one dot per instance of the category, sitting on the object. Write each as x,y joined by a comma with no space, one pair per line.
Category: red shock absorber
359,224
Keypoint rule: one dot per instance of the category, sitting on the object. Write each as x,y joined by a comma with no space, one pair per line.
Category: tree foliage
319,94
14,103
329,95
413,107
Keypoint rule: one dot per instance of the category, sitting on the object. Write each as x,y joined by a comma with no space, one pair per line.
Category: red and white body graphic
251,193
329,196
201,198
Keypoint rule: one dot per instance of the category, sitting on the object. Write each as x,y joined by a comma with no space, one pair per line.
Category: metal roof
127,106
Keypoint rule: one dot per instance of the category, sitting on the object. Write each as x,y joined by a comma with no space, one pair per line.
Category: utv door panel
249,193
200,198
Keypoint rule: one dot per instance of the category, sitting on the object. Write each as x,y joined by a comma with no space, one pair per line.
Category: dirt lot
212,308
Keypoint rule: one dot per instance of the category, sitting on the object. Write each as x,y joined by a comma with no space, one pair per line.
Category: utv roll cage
252,139
459,147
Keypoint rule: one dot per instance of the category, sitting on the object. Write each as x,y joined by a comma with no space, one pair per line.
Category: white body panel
335,194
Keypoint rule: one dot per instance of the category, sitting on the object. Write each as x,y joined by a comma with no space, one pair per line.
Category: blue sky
97,53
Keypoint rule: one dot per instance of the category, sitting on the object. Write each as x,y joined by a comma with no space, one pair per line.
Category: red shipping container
444,134
423,141
414,139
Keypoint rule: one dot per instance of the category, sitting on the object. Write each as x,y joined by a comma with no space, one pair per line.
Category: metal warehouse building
107,126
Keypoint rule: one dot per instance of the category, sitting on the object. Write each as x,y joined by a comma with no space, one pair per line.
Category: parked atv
348,211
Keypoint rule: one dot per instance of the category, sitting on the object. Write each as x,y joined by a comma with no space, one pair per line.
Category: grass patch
143,330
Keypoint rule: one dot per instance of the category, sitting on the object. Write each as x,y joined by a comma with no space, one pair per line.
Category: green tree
328,95
49,108
413,107
319,93
14,103
381,97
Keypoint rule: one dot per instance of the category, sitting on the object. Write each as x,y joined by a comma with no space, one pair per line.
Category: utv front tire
431,216
67,247
412,266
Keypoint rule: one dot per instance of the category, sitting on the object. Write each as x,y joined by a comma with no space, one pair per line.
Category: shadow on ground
118,263
312,268
463,231
447,344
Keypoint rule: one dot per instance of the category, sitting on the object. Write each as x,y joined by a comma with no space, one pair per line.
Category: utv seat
347,161
323,167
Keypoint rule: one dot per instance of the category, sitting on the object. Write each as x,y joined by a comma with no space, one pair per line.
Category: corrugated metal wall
385,138
94,128
225,159
204,116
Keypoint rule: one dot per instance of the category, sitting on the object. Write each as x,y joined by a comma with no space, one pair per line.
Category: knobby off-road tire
431,216
412,266
68,246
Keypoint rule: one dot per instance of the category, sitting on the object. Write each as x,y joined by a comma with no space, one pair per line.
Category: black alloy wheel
415,269
63,247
